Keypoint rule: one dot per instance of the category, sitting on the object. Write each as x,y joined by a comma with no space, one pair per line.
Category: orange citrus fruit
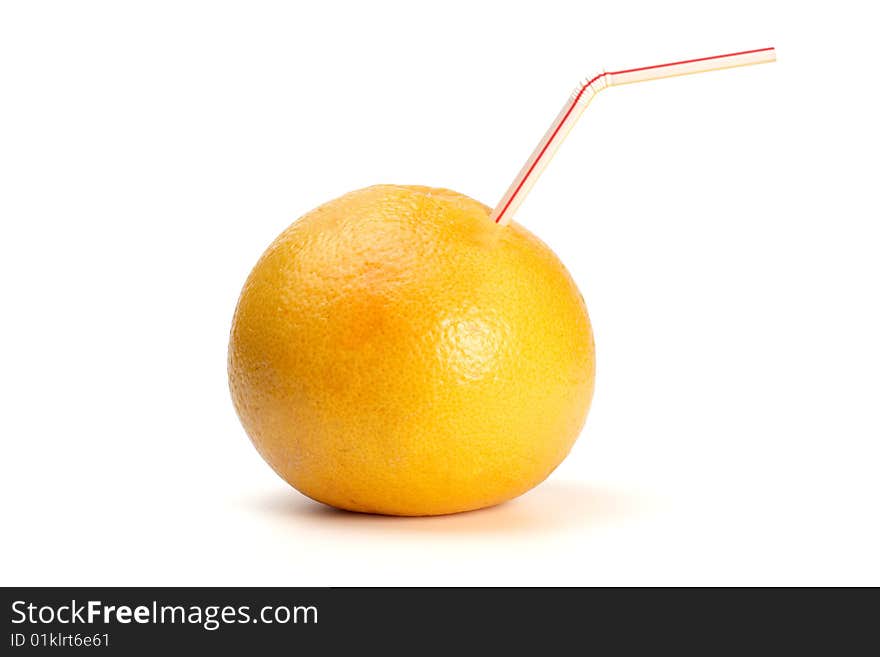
394,351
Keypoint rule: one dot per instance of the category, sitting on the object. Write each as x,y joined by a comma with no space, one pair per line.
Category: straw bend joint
591,85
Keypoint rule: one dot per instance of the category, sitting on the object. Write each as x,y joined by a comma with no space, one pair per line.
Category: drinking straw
584,93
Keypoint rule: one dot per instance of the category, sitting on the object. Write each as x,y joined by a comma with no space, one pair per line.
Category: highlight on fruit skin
394,351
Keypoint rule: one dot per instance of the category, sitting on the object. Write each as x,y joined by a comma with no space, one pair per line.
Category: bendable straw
585,92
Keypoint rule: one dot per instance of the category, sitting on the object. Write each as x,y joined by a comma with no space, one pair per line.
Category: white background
723,229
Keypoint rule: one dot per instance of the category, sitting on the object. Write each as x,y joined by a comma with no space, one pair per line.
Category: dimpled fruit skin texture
396,352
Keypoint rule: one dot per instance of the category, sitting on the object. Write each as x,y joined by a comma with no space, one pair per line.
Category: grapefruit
394,351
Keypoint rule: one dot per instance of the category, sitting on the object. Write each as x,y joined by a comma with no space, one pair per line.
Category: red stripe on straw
546,146
581,92
691,61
